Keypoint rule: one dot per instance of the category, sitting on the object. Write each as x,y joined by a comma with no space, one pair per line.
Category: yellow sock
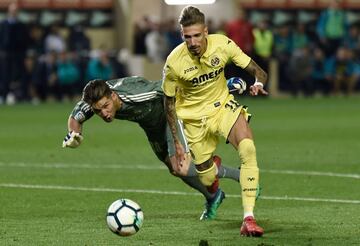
208,176
249,174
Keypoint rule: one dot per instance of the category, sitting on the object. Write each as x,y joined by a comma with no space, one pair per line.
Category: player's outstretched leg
249,179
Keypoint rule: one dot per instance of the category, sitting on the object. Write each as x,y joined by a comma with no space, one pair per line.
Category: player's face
106,108
195,38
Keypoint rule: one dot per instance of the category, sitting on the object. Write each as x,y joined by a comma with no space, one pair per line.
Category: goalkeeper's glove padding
236,84
72,140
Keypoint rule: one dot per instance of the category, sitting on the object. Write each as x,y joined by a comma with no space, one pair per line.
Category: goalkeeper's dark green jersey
142,102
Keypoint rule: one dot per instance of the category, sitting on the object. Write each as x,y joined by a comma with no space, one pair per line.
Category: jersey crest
215,61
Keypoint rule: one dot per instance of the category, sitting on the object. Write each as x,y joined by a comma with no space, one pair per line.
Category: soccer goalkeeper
139,100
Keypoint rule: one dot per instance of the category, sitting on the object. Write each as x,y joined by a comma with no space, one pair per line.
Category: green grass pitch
308,154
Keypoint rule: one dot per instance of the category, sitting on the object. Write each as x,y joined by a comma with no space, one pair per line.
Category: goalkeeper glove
236,84
72,140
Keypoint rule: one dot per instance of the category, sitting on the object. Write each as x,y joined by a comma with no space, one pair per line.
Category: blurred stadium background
307,131
65,43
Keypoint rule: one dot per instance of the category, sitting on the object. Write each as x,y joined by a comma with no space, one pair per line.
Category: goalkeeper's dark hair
95,90
190,16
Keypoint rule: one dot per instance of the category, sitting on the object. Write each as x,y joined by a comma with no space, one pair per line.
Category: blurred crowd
39,64
313,58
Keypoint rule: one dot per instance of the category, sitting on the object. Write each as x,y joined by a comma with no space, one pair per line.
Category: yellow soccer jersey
199,84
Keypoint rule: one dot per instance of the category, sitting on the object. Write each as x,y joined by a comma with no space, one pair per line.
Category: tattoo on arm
171,116
255,70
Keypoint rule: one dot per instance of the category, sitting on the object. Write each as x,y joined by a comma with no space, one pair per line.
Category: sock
249,174
247,214
195,183
228,172
223,172
192,171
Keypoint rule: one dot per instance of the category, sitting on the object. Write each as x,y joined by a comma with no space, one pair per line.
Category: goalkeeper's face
106,107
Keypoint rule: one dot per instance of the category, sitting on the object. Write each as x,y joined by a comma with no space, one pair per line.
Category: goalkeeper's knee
208,176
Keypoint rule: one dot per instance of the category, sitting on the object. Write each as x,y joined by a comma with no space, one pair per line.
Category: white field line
179,193
312,173
162,167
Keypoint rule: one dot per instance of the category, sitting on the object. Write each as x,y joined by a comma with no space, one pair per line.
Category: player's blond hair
190,16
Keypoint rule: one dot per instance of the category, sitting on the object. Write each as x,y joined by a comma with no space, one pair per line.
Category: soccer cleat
215,185
211,206
249,228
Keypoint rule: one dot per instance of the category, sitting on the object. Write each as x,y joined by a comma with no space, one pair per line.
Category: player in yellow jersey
196,92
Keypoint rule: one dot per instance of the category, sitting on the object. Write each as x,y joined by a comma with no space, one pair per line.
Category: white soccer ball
124,217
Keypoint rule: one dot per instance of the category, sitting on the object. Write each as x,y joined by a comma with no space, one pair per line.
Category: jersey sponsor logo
190,69
204,78
249,189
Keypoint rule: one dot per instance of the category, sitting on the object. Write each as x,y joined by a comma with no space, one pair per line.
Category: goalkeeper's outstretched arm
74,125
81,112
74,138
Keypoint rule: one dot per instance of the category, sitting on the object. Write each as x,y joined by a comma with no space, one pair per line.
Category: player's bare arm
74,125
261,77
172,119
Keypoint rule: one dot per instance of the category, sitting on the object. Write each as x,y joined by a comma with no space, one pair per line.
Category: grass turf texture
315,135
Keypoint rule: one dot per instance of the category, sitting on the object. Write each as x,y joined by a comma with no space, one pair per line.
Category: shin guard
249,173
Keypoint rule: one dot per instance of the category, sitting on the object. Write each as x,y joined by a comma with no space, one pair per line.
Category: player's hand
257,88
72,140
236,84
